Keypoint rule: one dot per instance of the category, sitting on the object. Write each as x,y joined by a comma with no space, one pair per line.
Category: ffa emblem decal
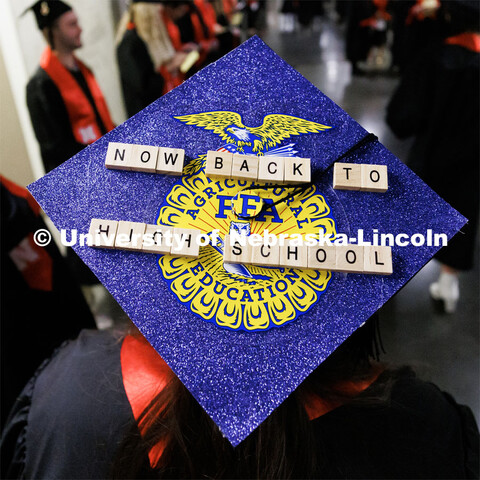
237,296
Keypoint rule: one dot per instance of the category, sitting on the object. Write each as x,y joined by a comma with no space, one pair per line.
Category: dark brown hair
283,446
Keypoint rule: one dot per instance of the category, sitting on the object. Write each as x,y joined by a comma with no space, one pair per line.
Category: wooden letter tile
185,242
297,170
157,239
129,235
102,232
245,167
119,156
271,169
347,176
144,158
219,164
170,161
322,257
293,256
378,260
374,178
267,255
234,251
349,258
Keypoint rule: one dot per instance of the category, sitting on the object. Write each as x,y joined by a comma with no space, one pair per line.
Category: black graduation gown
437,101
73,414
358,38
141,84
34,319
50,119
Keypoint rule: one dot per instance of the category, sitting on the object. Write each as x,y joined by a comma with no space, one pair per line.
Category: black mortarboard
47,11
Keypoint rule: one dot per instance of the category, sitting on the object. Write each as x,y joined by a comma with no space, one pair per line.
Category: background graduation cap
47,11
242,340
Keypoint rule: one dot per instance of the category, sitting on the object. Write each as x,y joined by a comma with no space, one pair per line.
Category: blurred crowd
159,45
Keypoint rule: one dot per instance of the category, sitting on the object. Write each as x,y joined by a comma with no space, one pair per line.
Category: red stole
470,41
381,13
82,117
208,14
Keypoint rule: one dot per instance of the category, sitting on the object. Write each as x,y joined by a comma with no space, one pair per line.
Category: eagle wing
276,128
217,122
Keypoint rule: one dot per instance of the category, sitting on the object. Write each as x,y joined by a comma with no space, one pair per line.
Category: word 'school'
337,258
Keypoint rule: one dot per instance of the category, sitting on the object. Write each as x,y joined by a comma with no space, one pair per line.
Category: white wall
14,160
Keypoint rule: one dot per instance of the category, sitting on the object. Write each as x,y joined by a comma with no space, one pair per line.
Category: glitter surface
240,377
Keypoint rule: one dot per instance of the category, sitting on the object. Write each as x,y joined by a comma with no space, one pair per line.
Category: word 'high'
141,237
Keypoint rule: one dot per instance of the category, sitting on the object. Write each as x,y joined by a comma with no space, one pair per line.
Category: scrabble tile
293,256
235,252
129,235
157,239
297,170
245,167
374,178
170,160
144,158
322,257
185,242
266,255
271,169
377,260
219,164
347,176
119,156
102,232
349,258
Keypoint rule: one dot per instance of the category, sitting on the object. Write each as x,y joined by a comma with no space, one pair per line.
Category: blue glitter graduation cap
243,338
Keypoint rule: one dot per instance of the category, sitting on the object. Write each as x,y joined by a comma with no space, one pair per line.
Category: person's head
65,33
58,23
282,446
149,25
176,9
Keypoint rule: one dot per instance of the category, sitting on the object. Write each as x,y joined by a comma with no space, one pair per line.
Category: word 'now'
145,158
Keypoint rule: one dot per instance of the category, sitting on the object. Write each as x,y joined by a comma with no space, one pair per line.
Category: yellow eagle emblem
252,140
